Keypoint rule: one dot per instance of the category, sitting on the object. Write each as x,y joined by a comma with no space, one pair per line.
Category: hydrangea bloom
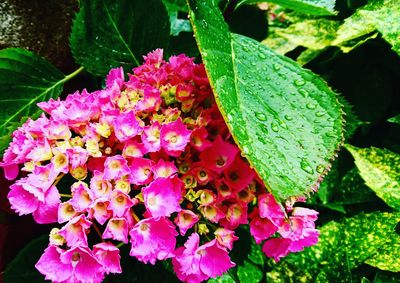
146,157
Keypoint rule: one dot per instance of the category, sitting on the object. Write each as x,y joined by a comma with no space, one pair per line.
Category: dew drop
274,127
303,92
311,105
277,67
299,82
306,166
261,116
262,55
320,114
288,117
264,129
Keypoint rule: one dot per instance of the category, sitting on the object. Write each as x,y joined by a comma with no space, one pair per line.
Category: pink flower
276,248
99,210
261,228
126,126
163,169
194,263
219,156
225,237
151,137
26,199
239,174
116,229
108,255
162,196
74,232
115,167
151,100
153,239
174,137
133,148
77,156
185,220
75,265
82,197
199,139
140,171
66,212
115,76
120,203
269,208
235,215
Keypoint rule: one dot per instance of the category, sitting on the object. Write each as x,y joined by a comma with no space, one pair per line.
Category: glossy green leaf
107,34
22,268
395,119
25,80
380,168
381,15
342,247
312,7
177,25
249,273
286,120
388,257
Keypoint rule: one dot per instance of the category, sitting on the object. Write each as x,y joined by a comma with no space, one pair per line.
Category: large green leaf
342,247
380,168
107,33
312,7
381,15
286,120
25,79
388,257
22,268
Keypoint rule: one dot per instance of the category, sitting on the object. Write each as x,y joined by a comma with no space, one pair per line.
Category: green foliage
381,171
177,25
317,34
388,257
289,135
378,15
25,79
107,34
312,7
342,246
22,268
395,119
249,273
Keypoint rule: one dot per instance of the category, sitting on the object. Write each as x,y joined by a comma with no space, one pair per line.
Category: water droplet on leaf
306,166
261,116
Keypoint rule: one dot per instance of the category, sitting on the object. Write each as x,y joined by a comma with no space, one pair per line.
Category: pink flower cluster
144,161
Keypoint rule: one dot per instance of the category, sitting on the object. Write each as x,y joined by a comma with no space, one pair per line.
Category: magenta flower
140,171
219,156
194,263
162,196
185,220
116,229
153,239
126,126
115,167
108,255
74,232
174,137
239,174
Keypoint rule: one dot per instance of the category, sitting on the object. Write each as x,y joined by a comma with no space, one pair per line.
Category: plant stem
72,75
